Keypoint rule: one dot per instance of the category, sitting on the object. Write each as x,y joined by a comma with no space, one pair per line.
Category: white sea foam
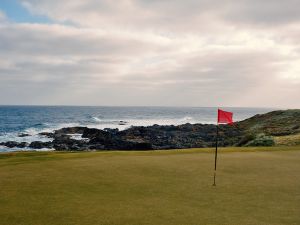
186,119
78,137
96,119
6,149
123,123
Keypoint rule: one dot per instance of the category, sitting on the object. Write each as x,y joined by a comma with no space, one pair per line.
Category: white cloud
153,53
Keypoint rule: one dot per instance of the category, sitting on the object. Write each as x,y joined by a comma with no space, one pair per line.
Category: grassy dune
288,140
254,186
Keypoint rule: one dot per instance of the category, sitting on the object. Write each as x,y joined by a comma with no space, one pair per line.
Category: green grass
254,186
288,140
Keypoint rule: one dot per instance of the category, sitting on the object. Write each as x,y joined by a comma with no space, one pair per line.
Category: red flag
225,117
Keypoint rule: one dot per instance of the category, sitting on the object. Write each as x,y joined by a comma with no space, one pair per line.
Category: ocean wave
96,119
7,149
186,119
32,133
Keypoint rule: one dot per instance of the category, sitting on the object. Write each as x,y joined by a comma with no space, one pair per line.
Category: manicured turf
254,186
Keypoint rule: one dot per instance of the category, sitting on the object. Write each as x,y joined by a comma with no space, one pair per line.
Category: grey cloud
256,12
220,65
54,51
264,13
59,40
153,53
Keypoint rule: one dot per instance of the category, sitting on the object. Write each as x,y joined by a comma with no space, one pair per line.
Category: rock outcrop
255,131
144,138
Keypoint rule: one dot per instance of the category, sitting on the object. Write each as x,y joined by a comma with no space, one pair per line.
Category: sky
150,53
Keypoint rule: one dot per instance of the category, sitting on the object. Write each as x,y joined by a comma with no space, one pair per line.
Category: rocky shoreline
135,138
255,131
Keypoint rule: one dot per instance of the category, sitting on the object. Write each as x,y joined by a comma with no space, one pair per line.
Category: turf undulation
255,186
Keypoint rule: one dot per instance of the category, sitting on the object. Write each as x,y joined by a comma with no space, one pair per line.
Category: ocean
15,121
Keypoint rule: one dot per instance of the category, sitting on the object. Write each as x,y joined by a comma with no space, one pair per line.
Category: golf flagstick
224,118
216,155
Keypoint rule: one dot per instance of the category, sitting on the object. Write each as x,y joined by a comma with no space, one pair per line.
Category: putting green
258,186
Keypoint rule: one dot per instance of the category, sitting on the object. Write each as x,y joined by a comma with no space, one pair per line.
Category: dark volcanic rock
112,131
65,142
62,139
119,144
96,147
139,138
14,144
112,140
95,133
23,145
182,136
40,145
70,130
47,134
10,144
23,135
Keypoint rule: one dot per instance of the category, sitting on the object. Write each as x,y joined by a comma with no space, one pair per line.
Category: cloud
189,15
138,52
264,13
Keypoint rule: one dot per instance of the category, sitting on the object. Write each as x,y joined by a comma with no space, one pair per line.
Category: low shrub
262,140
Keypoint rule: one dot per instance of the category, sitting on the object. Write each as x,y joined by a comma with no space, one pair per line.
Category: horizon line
155,106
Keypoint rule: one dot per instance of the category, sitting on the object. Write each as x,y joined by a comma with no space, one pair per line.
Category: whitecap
186,119
96,119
